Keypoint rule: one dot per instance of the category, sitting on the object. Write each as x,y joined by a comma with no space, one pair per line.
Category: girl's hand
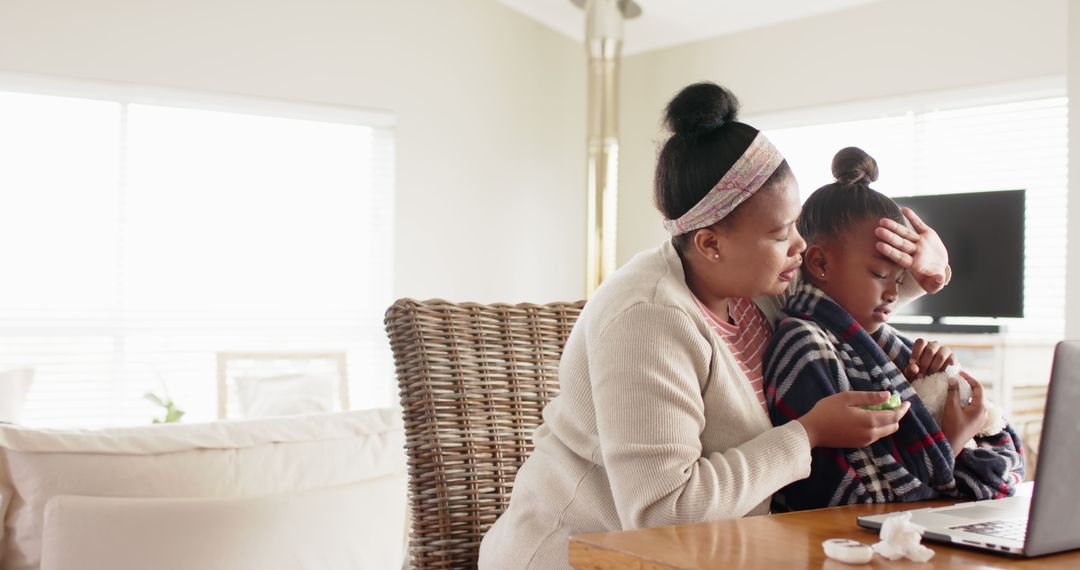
918,250
840,421
960,424
928,358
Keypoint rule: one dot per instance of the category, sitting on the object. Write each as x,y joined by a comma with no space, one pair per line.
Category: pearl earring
716,256
822,274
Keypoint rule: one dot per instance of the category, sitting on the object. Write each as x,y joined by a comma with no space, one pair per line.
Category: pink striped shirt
747,338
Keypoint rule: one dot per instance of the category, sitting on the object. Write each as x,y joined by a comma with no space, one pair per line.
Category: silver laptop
1046,522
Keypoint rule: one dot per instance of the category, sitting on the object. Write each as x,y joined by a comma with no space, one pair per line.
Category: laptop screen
1054,520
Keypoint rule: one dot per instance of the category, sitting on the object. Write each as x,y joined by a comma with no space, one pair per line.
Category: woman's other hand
840,421
928,358
960,423
917,249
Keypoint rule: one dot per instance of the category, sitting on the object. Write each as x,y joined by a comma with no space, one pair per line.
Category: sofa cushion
210,460
355,526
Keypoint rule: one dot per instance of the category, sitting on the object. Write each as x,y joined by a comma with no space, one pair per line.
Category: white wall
1072,279
490,105
879,50
490,110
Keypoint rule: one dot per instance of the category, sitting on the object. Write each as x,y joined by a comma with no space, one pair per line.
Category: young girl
835,339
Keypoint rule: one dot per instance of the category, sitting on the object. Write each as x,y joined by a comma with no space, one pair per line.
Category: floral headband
745,177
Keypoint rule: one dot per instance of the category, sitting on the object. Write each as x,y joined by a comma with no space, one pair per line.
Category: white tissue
900,537
849,551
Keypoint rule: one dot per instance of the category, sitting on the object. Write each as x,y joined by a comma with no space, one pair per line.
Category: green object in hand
891,404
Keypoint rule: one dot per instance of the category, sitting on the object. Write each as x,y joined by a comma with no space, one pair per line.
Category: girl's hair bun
852,165
700,108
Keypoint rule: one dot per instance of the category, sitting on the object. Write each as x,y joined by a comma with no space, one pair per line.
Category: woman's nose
798,244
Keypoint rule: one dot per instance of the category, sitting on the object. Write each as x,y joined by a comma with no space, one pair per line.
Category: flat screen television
984,233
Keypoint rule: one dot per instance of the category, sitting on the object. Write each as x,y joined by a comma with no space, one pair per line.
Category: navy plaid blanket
819,350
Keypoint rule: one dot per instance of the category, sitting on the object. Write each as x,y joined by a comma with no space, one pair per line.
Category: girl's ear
816,264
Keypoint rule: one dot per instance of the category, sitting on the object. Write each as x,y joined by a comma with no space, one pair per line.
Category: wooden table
791,540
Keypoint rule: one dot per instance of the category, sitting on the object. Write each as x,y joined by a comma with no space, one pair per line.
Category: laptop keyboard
1010,529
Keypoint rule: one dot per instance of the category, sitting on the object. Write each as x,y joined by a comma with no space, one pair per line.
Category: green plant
172,413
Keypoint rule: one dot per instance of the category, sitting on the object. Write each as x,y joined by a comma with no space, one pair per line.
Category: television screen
984,233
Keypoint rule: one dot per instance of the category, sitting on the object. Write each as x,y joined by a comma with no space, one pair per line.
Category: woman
660,419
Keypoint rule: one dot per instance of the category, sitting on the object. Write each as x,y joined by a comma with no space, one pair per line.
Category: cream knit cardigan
655,425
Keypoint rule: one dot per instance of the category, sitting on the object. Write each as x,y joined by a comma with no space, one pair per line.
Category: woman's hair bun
852,165
700,108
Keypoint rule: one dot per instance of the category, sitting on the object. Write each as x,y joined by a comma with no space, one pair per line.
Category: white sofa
319,491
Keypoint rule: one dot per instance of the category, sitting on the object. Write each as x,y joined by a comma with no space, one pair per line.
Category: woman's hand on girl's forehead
917,249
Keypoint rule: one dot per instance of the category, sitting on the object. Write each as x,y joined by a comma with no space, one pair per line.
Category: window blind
138,239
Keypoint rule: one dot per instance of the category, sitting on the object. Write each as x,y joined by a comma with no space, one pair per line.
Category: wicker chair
473,380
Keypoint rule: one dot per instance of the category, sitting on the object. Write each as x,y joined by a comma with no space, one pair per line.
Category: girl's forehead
859,237
868,241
